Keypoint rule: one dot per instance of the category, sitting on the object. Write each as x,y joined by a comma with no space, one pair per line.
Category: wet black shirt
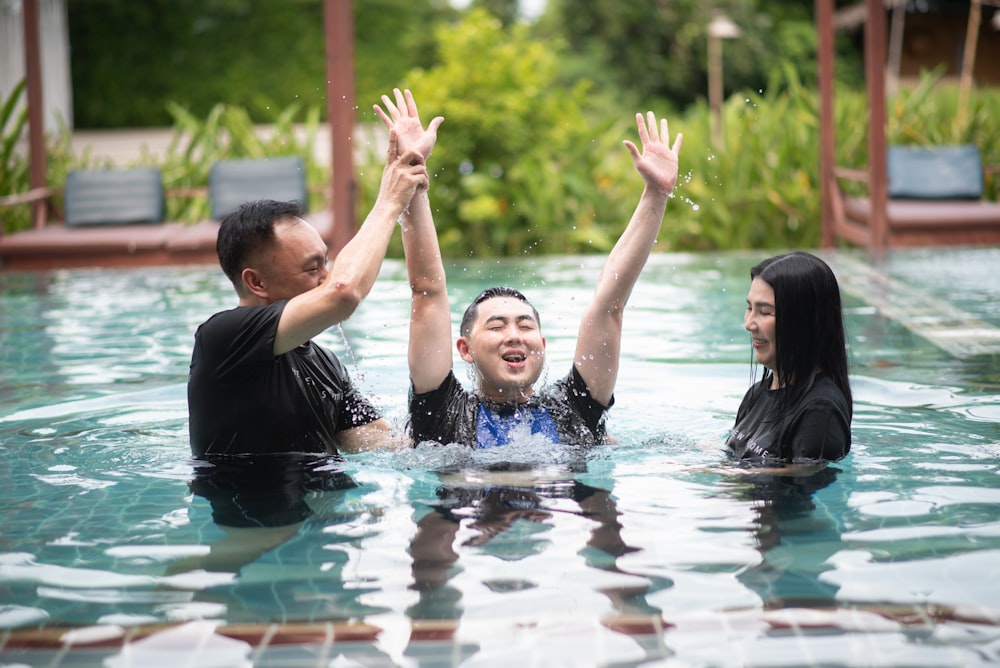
243,399
818,426
451,414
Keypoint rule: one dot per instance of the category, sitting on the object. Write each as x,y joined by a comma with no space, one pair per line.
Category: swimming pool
653,551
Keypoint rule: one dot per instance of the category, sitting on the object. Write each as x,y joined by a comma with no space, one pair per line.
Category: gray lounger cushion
114,196
935,172
234,182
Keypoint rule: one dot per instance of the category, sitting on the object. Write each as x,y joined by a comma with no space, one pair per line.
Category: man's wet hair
489,293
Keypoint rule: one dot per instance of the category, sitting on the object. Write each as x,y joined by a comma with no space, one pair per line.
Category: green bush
14,163
759,188
515,168
227,133
524,165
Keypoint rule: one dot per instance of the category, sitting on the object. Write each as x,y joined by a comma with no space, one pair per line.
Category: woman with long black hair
800,411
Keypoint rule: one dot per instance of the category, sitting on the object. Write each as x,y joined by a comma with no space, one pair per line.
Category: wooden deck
56,246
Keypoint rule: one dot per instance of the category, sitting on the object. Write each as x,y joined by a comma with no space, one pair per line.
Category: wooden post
339,33
875,28
896,29
968,61
827,131
36,110
715,88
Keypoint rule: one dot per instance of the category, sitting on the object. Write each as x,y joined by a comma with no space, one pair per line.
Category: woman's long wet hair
809,324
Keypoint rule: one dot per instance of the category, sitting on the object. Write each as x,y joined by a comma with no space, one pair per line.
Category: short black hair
247,229
489,293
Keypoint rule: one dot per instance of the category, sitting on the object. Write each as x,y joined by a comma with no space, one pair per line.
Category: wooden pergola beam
875,58
36,110
338,22
827,127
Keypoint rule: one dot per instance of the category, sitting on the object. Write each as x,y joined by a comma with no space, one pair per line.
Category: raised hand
405,173
657,164
402,116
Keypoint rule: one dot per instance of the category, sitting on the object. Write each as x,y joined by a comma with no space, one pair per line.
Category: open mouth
515,359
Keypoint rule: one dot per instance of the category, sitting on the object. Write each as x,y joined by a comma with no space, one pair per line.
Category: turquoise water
891,556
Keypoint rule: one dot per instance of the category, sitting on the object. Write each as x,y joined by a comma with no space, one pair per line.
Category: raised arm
355,268
430,348
598,345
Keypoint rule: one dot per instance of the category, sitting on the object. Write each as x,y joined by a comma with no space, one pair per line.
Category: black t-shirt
817,427
452,414
243,399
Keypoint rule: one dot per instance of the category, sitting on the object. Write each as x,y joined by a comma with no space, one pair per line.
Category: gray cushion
935,172
114,196
234,182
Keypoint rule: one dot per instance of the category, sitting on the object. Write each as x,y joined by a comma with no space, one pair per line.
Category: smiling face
760,319
294,263
507,348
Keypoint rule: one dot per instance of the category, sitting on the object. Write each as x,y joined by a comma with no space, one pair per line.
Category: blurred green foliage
228,133
13,120
529,158
514,170
130,59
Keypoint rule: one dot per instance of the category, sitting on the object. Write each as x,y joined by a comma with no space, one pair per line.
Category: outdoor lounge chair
935,197
113,218
114,196
234,182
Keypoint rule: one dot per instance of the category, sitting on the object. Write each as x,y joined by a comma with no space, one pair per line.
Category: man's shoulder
219,316
570,385
232,317
449,385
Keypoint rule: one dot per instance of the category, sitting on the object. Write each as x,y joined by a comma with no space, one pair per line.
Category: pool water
652,551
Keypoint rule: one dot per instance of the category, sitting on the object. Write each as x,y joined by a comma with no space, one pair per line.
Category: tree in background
521,169
657,50
130,59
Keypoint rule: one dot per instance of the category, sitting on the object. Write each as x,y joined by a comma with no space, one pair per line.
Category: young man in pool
258,384
501,332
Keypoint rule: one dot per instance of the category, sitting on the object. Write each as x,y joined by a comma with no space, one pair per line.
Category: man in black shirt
500,335
257,383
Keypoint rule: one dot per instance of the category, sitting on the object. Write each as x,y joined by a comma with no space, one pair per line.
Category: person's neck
507,396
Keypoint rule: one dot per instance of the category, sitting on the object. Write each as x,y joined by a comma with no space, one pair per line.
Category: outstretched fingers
651,125
678,140
395,110
411,105
640,123
651,133
656,160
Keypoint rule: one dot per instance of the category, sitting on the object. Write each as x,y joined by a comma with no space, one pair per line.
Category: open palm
657,164
402,116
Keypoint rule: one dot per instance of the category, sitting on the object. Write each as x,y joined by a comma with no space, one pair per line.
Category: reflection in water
265,506
266,490
795,539
490,503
